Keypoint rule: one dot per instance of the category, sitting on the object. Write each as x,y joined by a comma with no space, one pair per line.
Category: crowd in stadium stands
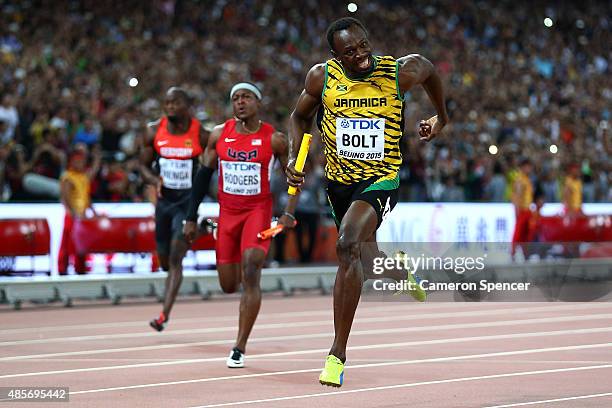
511,81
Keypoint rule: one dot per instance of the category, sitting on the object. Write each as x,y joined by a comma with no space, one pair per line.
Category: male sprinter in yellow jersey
362,101
572,191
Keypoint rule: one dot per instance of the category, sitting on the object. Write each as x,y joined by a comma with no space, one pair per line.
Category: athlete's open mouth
365,64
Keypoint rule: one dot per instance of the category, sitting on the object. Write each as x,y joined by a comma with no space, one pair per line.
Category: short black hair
182,92
342,24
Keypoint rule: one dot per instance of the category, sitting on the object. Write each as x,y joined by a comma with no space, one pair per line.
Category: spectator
87,133
522,198
48,159
10,117
534,245
550,186
588,185
15,169
75,195
495,189
115,180
572,191
511,81
451,192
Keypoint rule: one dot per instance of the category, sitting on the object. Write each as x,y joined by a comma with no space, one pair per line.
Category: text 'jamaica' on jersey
362,122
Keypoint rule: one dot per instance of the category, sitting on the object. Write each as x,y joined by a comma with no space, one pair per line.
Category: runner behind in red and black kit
174,144
244,148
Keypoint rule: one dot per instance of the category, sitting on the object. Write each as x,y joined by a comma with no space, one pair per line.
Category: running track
400,354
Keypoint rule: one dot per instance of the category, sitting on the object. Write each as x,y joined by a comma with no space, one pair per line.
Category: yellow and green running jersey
362,122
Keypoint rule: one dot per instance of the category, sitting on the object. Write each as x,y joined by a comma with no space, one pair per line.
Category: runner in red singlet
244,149
175,144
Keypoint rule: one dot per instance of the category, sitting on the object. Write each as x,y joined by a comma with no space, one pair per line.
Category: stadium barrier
53,213
131,229
408,222
114,288
135,235
586,228
553,274
25,237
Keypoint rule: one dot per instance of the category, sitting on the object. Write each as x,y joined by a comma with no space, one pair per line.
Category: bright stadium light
133,82
352,7
548,22
553,149
493,149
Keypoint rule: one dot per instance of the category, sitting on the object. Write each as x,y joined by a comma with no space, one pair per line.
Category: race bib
176,174
360,138
241,178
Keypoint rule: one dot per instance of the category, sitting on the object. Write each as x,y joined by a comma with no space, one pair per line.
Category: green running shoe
413,281
333,373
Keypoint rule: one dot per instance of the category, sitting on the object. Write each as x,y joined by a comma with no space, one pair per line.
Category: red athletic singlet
245,164
177,154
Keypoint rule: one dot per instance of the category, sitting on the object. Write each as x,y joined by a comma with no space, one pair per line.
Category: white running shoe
235,359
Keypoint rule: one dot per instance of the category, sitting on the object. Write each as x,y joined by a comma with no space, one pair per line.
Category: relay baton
299,166
301,159
271,232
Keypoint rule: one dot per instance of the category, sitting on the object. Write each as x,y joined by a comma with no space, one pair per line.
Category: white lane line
498,323
318,360
357,366
394,318
302,352
521,404
407,385
513,361
204,320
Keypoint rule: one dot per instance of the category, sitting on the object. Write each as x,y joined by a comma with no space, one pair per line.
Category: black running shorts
380,192
169,216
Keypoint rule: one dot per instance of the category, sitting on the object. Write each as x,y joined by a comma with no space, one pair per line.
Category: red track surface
400,354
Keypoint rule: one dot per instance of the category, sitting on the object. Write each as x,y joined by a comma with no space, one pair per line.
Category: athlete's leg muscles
521,229
227,249
66,245
369,252
358,225
163,234
163,243
164,261
250,302
229,277
178,249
